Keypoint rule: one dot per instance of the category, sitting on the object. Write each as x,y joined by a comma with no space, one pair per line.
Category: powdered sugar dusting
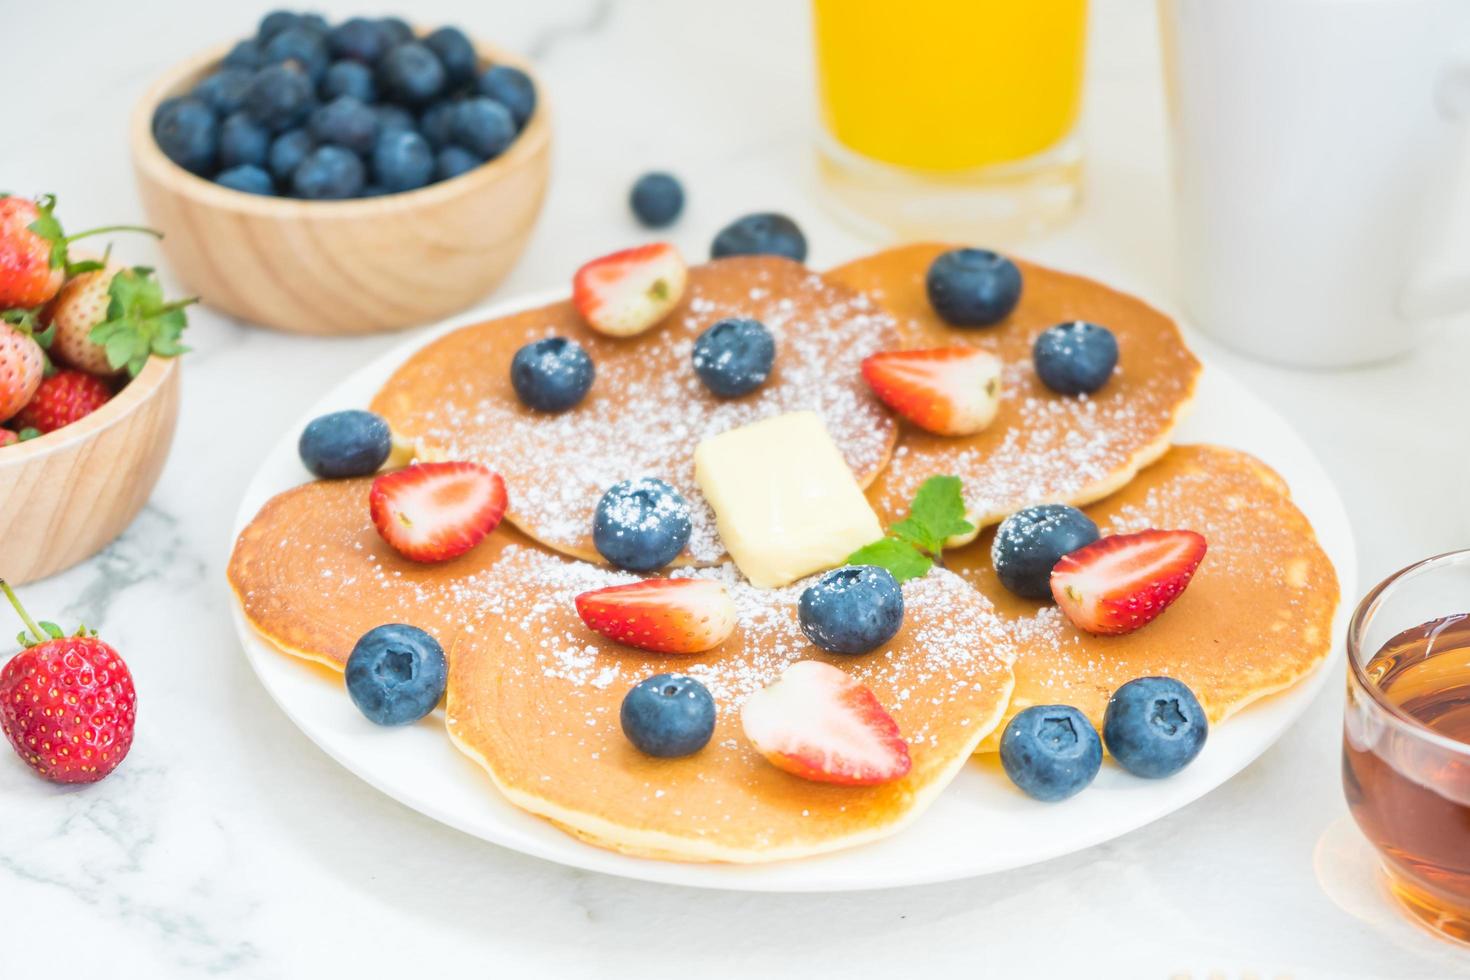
1051,447
960,641
649,410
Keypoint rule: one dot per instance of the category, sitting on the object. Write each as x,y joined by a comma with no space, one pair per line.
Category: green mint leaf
939,508
916,534
902,559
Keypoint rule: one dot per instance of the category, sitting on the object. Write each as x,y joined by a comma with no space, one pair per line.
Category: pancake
647,409
1042,447
534,696
313,574
1255,619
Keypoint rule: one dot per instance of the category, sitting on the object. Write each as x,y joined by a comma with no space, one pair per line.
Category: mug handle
1442,286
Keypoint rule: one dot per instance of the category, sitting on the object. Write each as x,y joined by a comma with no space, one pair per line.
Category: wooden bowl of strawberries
89,392
344,180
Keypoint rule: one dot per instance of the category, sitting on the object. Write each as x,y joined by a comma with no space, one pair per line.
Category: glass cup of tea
950,118
1406,737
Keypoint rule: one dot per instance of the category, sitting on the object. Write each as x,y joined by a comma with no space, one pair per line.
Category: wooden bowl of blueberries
343,179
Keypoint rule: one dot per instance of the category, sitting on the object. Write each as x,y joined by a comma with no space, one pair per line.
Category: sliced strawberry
818,723
952,391
437,511
1119,583
665,615
627,292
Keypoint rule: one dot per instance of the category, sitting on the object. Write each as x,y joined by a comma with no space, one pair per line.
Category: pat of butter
784,500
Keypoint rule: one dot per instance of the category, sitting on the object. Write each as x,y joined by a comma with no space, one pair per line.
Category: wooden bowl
64,496
343,267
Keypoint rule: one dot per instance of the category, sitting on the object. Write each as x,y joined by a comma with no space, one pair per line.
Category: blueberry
275,22
760,234
348,443
346,122
315,23
329,173
280,97
482,126
853,609
453,161
971,287
302,45
349,78
1154,726
734,356
411,74
396,674
224,91
396,30
163,109
392,117
512,88
641,524
360,39
551,375
287,151
402,161
374,190
455,53
437,123
248,178
1030,542
656,199
188,134
668,716
245,54
1051,751
1075,358
243,141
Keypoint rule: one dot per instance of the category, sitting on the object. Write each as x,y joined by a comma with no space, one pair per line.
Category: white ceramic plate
980,824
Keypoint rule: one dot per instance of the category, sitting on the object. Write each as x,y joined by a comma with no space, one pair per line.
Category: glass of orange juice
951,118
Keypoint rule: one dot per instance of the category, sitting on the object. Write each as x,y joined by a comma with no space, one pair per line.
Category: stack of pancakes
534,695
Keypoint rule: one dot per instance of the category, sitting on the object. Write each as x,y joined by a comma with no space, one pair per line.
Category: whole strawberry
22,365
8,437
67,703
113,318
62,399
33,259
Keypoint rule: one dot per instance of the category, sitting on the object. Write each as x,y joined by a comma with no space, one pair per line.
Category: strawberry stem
107,228
25,616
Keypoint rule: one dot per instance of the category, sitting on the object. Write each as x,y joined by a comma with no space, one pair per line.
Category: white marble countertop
228,844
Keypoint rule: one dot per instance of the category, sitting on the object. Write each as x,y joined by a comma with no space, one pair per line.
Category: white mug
1316,148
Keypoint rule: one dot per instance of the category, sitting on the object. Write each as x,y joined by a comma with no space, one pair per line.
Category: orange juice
949,85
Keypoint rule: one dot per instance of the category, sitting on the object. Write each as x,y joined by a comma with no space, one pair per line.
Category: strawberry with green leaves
67,703
33,251
914,544
112,318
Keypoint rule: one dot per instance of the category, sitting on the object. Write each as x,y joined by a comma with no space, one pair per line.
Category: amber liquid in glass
1414,804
